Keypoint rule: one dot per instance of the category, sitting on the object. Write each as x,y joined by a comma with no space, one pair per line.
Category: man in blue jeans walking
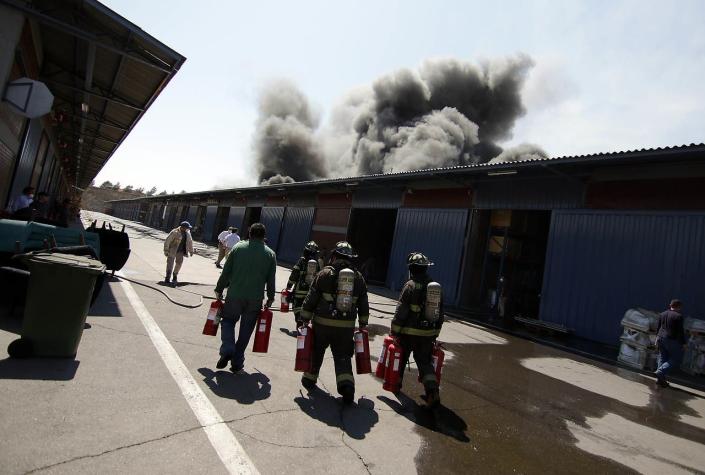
249,267
670,340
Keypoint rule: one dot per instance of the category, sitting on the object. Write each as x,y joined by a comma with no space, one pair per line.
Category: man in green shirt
249,266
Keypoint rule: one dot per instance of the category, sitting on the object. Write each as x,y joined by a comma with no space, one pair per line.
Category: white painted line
221,437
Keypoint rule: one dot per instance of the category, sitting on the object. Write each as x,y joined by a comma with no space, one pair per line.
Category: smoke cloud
447,113
285,147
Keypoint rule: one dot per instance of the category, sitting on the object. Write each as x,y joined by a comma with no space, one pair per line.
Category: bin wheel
20,348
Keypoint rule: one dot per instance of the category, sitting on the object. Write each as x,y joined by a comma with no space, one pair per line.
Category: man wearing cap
177,245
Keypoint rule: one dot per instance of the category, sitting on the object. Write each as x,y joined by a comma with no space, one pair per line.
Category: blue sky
609,75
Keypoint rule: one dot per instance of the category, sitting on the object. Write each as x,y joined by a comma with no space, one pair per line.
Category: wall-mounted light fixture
502,172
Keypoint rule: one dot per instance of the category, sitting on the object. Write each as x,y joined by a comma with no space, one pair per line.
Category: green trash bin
58,300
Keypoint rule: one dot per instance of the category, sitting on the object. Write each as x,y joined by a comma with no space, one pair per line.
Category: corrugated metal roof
104,72
478,168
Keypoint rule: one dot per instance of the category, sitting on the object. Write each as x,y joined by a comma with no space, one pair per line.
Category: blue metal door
438,233
235,217
209,223
295,232
272,217
601,263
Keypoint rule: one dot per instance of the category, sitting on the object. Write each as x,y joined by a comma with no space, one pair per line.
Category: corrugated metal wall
191,216
209,224
235,217
546,194
600,263
23,173
377,198
295,232
272,219
438,233
47,171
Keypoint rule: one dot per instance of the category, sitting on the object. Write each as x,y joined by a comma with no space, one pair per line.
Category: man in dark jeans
670,341
249,267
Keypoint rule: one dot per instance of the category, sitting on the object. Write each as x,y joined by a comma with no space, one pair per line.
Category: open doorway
505,262
252,216
514,261
371,233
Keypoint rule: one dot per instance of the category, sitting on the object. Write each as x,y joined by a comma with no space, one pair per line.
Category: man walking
178,244
226,241
250,266
670,340
337,296
301,277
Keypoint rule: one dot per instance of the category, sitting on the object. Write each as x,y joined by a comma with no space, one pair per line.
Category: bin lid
56,258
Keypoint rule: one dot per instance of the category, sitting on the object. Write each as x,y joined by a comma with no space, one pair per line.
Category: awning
104,72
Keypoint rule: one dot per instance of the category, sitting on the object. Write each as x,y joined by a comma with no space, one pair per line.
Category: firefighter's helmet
418,259
311,247
344,249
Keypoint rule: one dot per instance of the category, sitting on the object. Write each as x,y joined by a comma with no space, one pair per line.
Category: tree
116,186
140,190
106,184
152,191
162,193
182,192
128,188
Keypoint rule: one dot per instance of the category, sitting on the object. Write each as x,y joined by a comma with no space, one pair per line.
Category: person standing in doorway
250,267
670,341
178,244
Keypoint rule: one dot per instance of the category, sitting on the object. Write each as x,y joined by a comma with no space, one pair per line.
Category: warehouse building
572,241
75,79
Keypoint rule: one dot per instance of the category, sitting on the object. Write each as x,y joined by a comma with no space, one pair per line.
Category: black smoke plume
448,113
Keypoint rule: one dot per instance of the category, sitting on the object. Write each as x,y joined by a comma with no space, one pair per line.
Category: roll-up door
295,232
271,217
235,217
192,212
601,263
209,224
438,233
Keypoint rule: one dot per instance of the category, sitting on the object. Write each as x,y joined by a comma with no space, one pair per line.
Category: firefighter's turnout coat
297,282
331,327
417,334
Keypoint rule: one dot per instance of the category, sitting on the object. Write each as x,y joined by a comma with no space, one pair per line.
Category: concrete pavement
510,405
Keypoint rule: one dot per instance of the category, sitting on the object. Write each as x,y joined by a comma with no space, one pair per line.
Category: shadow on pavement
288,332
355,420
245,388
46,369
441,419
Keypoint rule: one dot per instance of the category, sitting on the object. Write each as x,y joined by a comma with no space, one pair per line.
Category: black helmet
418,259
344,249
311,247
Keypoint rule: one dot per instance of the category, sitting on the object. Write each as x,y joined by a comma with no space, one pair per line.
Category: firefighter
337,295
301,277
415,327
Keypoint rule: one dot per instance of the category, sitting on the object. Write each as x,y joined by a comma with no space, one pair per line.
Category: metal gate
601,263
272,217
295,232
438,233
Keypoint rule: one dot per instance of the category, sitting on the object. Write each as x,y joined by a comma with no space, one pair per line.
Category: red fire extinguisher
392,375
438,356
362,352
284,301
264,327
213,318
381,362
304,349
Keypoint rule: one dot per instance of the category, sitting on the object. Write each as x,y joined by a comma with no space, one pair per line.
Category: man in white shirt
226,241
21,201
